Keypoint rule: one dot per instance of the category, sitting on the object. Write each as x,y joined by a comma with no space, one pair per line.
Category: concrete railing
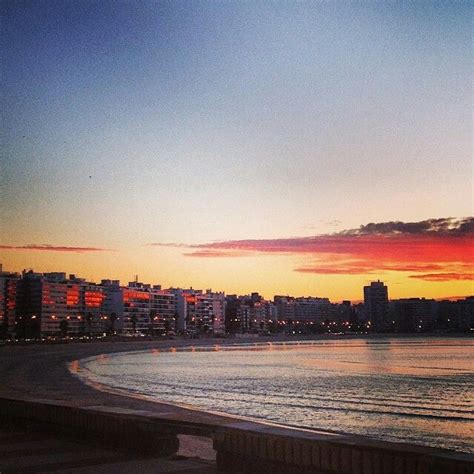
123,430
276,450
242,446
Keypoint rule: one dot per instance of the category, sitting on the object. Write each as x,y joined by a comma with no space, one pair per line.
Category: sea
412,390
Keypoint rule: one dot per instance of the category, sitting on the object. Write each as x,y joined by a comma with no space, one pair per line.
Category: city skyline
49,304
245,146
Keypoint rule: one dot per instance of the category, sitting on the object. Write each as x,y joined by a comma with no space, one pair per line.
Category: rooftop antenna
136,278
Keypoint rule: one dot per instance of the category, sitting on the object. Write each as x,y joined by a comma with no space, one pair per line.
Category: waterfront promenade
38,388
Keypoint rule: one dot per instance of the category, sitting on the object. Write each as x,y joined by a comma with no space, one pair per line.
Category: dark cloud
442,226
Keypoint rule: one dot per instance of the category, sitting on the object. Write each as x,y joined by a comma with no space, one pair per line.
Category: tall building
91,316
162,311
456,315
113,305
312,310
249,314
244,317
285,309
28,314
8,301
199,312
147,309
376,305
136,308
218,310
413,314
180,308
232,314
465,314
302,311
51,303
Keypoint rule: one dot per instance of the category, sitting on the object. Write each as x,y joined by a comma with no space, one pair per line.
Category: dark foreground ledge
242,446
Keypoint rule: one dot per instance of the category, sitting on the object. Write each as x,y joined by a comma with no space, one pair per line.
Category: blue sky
134,122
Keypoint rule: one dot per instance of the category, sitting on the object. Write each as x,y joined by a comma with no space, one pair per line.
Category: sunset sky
240,146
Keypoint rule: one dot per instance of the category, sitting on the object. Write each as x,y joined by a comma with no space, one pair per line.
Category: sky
240,146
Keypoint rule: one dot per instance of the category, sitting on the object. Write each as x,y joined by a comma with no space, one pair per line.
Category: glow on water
411,390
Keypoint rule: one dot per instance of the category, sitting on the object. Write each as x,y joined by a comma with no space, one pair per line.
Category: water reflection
418,390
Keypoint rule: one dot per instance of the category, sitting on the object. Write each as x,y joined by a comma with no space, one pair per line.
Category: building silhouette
376,306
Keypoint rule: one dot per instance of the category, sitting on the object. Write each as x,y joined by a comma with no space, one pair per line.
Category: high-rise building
312,309
249,314
412,315
218,310
302,311
136,308
376,305
162,311
232,314
180,308
199,312
285,308
91,309
8,301
51,303
113,305
456,315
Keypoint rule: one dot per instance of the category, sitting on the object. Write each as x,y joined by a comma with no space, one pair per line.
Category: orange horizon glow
432,260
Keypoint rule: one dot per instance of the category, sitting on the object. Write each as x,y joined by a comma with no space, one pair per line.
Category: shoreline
123,392
78,371
35,373
228,340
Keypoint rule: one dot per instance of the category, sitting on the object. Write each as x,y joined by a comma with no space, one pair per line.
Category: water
410,390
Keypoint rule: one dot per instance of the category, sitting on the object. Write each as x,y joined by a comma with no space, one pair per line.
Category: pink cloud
443,247
54,248
444,276
167,244
364,267
211,253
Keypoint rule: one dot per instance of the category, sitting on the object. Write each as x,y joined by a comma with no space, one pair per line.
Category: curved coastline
39,374
126,393
79,369
76,367
42,371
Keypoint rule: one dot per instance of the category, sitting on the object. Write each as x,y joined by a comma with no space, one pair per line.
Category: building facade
8,301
